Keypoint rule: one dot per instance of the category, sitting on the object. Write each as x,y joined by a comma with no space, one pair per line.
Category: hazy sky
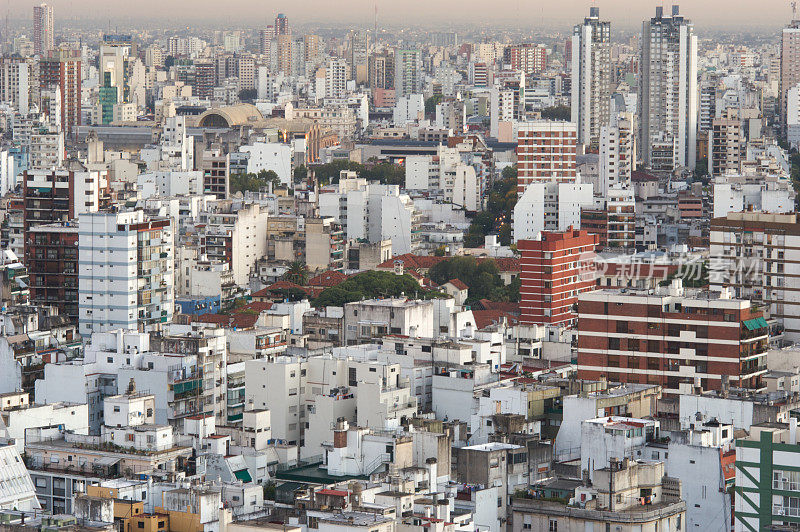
535,12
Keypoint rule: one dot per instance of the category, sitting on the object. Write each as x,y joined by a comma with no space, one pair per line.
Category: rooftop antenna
794,10
375,31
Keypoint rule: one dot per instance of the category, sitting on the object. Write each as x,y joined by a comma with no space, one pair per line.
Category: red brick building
546,152
671,338
553,271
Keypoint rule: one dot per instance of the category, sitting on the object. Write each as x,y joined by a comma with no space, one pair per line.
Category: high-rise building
283,47
756,255
282,25
43,32
358,55
617,159
668,91
381,71
15,83
407,71
546,152
725,147
310,47
671,338
591,77
529,58
51,255
790,64
62,69
554,269
336,79
126,273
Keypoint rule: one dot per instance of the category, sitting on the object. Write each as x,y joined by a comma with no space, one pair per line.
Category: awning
243,475
755,323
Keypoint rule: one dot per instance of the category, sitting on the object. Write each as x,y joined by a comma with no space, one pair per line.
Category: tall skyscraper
407,71
62,68
282,25
358,55
668,89
790,63
43,33
591,77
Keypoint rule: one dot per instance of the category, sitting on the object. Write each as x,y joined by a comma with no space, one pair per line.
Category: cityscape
399,266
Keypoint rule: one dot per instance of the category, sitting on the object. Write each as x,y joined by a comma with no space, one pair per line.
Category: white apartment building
445,171
235,233
668,89
270,156
550,207
408,109
15,84
617,159
170,183
126,275
373,318
336,78
16,491
758,256
591,77
738,193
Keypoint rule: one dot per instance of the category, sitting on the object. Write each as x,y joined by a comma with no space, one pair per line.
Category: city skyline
710,13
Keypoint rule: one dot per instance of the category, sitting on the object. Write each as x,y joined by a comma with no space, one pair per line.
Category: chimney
340,434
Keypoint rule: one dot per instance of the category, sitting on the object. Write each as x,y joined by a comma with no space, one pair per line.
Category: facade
51,253
755,255
529,58
617,158
628,496
374,318
767,478
554,270
672,338
591,77
407,72
546,152
668,90
790,65
62,69
126,272
725,147
43,32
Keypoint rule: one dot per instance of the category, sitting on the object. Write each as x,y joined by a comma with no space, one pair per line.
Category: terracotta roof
458,283
507,264
485,318
327,279
338,493
504,306
411,261
258,306
284,285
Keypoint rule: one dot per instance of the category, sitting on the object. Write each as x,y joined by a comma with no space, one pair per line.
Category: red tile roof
411,261
338,493
327,279
485,318
504,306
285,285
458,283
507,264
258,306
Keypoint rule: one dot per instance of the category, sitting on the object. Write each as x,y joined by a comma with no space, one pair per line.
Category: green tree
169,61
300,174
372,284
482,278
297,273
254,182
248,95
270,490
499,213
557,112
431,103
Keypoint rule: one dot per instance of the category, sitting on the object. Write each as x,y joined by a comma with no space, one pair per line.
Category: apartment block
675,338
546,151
554,270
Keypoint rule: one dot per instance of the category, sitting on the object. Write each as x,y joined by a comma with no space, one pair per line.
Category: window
140,524
554,525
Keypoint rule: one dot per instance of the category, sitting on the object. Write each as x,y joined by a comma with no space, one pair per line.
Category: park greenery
372,284
481,277
253,182
497,217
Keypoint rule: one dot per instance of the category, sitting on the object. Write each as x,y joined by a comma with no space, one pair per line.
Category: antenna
375,35
794,10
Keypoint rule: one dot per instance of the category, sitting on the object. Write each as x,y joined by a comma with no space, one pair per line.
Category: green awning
755,323
243,475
